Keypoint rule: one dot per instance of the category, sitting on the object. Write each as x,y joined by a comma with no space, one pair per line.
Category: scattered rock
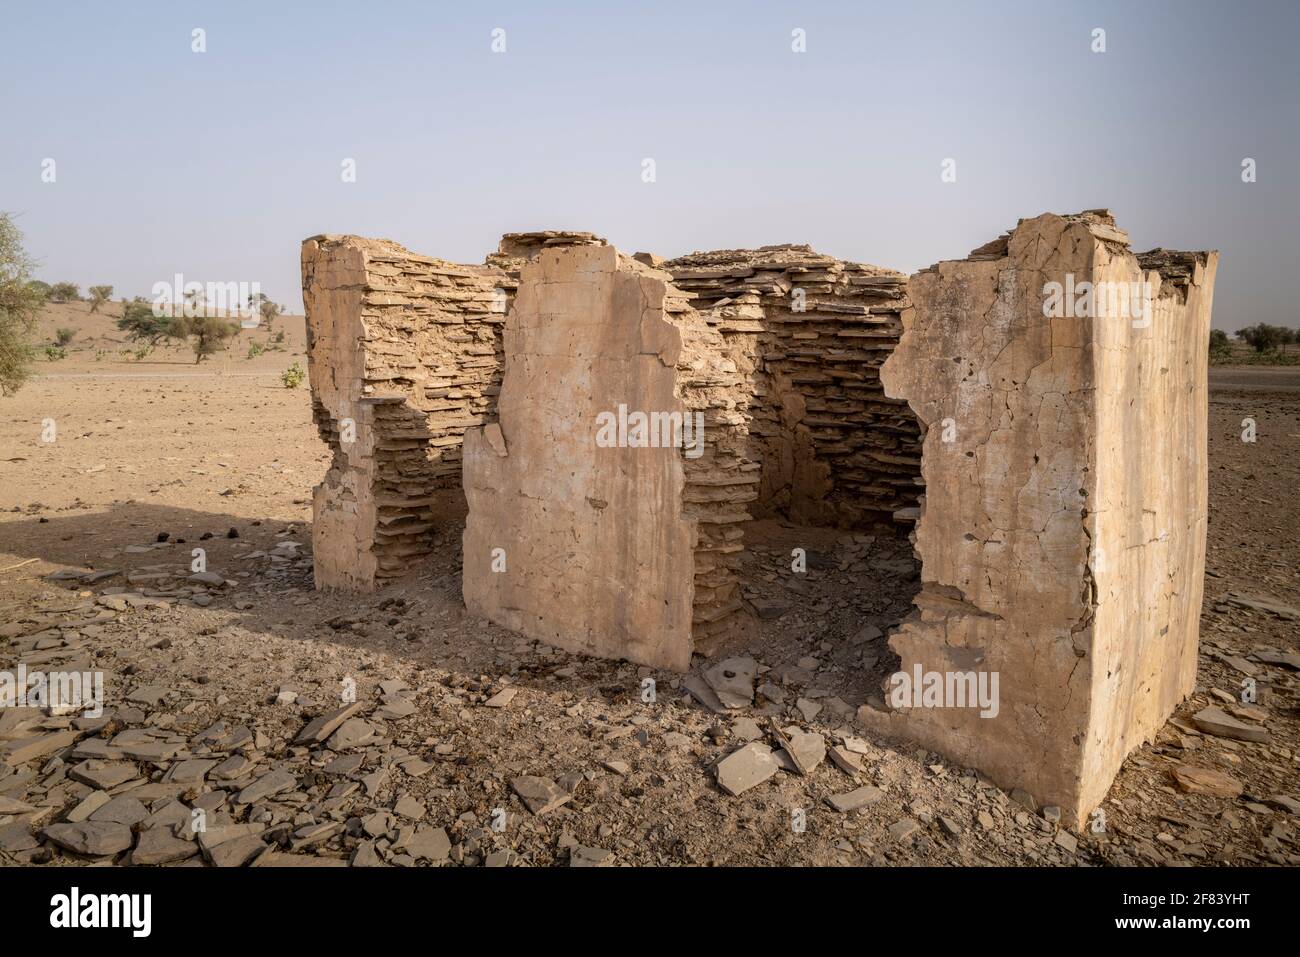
91,838
746,768
539,795
1196,780
855,800
1214,720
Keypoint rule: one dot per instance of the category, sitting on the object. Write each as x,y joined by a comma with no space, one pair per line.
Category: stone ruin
1034,416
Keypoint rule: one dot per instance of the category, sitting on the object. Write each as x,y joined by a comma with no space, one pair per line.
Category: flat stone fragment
732,680
365,855
281,859
1270,605
856,799
1196,780
36,746
429,844
699,690
104,775
320,728
353,733
746,768
91,838
408,806
190,771
158,845
583,856
905,828
151,695
806,748
18,837
213,837
123,809
501,698
89,804
846,760
1214,720
539,795
1287,658
268,785
809,709
1286,802
237,852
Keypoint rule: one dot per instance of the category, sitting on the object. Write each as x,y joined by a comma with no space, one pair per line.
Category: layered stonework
403,354
1038,410
835,449
1062,533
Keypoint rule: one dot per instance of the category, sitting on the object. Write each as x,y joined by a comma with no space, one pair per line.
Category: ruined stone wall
1061,524
835,449
403,355
1062,530
608,550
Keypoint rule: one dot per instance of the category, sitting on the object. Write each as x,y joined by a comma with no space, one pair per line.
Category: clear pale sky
217,164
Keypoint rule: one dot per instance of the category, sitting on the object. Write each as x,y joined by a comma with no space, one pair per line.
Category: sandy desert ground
471,745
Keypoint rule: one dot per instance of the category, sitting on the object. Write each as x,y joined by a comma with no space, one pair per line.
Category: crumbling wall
1062,530
1062,526
403,355
590,545
835,449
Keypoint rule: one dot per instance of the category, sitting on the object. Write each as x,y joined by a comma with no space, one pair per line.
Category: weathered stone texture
835,449
1059,505
1063,525
403,355
597,545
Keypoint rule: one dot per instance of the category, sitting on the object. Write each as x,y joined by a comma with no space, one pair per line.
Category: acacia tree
1264,338
65,292
269,311
99,295
20,302
209,333
142,324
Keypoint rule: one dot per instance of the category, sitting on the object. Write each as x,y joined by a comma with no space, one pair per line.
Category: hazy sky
217,164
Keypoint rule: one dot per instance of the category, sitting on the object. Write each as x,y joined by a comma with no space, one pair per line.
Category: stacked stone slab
1062,533
835,449
404,354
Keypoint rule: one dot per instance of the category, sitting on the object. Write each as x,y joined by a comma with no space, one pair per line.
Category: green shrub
293,376
20,302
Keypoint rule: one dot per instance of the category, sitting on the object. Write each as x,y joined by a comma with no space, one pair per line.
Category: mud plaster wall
589,548
1052,462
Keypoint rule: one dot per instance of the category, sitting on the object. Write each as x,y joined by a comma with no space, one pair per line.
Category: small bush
255,349
20,302
293,376
65,336
99,295
55,353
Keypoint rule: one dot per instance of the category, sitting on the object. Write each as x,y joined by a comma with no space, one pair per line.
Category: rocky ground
252,720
